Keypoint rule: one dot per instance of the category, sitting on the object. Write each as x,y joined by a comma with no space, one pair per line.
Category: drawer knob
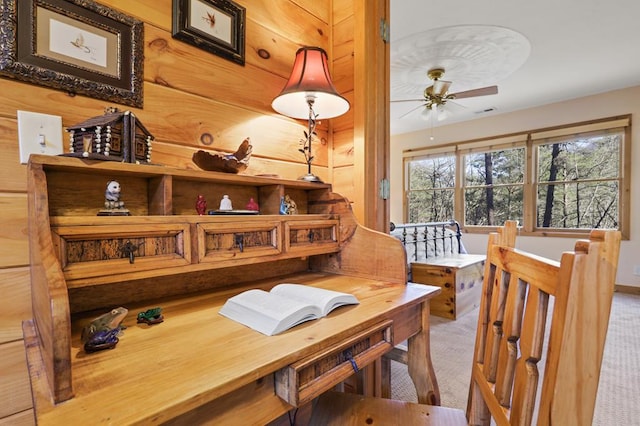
128,249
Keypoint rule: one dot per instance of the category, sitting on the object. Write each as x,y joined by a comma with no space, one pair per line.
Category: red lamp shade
310,80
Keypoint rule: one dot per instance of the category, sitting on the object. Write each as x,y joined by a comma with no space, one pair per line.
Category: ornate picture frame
77,46
217,26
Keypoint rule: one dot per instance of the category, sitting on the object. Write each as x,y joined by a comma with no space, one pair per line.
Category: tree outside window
493,187
431,189
578,182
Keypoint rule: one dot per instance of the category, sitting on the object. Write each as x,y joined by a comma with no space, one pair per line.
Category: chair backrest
541,332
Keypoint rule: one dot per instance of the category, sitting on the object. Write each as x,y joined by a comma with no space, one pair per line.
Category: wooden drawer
109,250
238,240
307,237
308,378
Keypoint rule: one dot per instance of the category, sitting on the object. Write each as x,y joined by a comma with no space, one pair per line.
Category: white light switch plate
39,134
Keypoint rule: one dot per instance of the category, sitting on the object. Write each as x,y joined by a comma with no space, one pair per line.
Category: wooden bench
436,256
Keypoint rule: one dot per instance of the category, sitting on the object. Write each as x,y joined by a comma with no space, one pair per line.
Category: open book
285,306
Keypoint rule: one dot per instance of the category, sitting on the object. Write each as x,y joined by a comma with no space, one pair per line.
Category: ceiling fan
437,95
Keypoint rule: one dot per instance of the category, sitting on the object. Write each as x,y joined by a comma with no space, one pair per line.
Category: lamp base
310,177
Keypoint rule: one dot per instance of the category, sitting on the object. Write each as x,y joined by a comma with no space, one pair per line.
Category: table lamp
310,94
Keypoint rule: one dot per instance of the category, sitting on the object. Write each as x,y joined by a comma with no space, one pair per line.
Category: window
565,180
431,189
578,181
494,186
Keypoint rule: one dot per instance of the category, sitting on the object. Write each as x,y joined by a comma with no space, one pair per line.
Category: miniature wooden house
114,136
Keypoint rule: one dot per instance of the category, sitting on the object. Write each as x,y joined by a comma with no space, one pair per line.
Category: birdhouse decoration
114,136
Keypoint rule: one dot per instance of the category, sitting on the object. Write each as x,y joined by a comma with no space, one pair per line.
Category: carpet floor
617,403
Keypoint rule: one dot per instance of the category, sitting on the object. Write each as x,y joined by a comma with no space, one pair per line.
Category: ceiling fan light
426,113
442,112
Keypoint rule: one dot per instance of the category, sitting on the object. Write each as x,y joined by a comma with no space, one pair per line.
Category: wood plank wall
187,92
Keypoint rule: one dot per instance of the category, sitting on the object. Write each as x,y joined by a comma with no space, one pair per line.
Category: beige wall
625,101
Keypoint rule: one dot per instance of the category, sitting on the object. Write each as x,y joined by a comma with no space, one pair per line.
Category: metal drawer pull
129,248
349,356
239,240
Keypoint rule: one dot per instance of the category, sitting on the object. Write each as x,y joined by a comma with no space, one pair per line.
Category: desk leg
420,365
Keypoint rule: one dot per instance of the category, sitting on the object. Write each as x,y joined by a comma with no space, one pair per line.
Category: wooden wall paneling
343,38
269,51
156,12
15,392
343,182
343,78
188,92
271,136
31,97
345,121
13,175
14,245
23,418
14,287
342,74
178,65
342,9
292,22
343,148
371,119
316,8
180,156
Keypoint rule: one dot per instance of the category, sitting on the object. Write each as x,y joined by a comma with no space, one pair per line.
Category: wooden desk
226,370
197,366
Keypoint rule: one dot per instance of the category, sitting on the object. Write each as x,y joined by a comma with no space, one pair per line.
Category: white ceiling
578,48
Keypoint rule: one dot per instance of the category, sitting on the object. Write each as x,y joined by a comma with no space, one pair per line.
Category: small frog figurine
101,340
151,316
109,321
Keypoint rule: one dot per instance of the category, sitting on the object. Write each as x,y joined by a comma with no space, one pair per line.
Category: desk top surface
197,355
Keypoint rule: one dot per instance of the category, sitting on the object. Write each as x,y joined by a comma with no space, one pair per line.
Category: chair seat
344,409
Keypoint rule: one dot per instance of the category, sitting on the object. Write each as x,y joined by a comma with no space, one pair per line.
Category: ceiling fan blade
454,108
483,91
408,100
412,110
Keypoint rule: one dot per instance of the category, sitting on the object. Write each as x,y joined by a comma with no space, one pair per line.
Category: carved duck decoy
228,163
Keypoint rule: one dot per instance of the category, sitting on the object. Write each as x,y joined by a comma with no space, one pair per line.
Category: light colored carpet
617,402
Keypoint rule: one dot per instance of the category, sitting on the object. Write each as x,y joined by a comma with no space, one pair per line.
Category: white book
285,306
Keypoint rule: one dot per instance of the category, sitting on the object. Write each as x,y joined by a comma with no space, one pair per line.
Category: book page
268,313
326,300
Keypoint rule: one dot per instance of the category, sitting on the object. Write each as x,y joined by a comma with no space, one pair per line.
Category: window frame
530,139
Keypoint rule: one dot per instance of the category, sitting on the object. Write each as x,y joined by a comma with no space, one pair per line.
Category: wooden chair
532,309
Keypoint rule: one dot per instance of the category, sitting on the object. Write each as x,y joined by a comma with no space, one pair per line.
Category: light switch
39,134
